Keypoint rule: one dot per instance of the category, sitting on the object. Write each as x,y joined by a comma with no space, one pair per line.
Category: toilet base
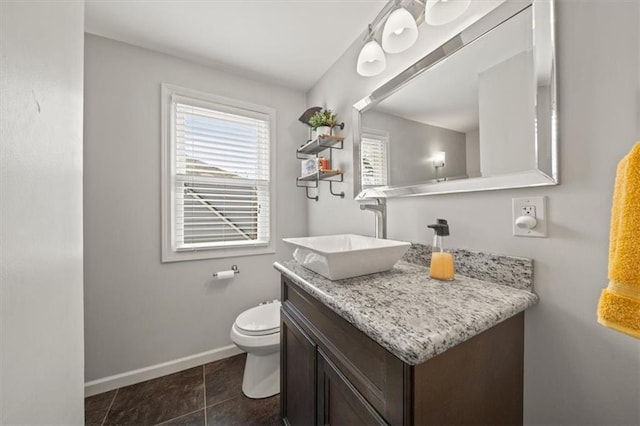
261,377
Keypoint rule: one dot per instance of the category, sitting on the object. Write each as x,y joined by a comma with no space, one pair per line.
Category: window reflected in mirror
374,158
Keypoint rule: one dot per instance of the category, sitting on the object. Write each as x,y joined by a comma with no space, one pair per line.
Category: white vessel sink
346,255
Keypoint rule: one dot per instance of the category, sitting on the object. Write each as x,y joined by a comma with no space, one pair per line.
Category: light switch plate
534,206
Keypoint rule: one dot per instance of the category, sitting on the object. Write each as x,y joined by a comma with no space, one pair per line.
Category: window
217,176
374,158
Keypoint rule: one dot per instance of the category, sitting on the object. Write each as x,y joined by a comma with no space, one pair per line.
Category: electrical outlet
528,211
534,207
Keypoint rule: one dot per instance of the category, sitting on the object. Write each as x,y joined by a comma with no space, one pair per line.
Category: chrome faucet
380,210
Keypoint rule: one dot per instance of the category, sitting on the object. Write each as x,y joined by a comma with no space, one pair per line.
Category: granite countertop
410,314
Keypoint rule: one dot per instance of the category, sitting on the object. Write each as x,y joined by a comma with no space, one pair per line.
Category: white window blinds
221,175
374,159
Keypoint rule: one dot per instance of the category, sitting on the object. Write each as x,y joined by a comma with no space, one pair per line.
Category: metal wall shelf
311,149
319,144
321,175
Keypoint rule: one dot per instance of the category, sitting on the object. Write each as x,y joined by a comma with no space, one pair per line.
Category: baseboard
105,384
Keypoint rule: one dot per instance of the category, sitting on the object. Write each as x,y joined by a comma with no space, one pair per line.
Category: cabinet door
298,374
339,403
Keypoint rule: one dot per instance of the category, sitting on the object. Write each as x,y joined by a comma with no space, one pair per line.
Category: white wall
576,371
140,312
506,108
41,332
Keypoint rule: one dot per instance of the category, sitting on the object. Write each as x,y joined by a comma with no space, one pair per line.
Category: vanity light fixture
400,31
371,60
439,159
441,12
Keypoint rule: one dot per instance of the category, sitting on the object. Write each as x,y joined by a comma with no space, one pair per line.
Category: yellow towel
619,306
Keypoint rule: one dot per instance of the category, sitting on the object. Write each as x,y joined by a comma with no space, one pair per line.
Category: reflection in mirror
480,118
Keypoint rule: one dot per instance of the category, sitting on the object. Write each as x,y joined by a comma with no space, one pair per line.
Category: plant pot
323,130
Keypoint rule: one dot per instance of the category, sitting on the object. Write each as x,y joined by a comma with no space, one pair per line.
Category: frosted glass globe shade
371,60
440,12
400,31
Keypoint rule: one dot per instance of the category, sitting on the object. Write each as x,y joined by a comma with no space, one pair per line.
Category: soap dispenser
441,261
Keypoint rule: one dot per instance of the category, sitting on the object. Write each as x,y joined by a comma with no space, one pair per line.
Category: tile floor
207,395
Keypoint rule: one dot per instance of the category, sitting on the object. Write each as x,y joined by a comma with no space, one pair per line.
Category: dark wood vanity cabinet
298,373
338,402
332,373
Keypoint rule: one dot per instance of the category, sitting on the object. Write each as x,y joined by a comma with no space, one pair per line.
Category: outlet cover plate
521,205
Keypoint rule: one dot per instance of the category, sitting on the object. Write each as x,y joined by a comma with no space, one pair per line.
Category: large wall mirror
478,113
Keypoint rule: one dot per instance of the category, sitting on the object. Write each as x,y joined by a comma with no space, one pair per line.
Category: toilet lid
263,319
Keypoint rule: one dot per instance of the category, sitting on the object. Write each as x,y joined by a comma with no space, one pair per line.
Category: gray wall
41,337
472,143
412,144
576,371
140,312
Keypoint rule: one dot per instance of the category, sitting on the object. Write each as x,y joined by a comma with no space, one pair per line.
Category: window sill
215,253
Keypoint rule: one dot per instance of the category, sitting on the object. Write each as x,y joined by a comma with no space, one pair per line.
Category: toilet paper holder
234,268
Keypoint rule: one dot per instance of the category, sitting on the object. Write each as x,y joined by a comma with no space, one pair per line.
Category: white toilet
257,332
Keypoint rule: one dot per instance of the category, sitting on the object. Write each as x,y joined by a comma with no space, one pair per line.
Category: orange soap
441,266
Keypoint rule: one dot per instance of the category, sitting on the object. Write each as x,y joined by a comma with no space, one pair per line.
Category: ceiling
288,42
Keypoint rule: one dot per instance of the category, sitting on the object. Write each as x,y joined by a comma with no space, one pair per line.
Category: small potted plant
323,121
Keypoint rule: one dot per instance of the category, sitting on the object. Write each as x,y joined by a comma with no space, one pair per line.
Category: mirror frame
529,178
